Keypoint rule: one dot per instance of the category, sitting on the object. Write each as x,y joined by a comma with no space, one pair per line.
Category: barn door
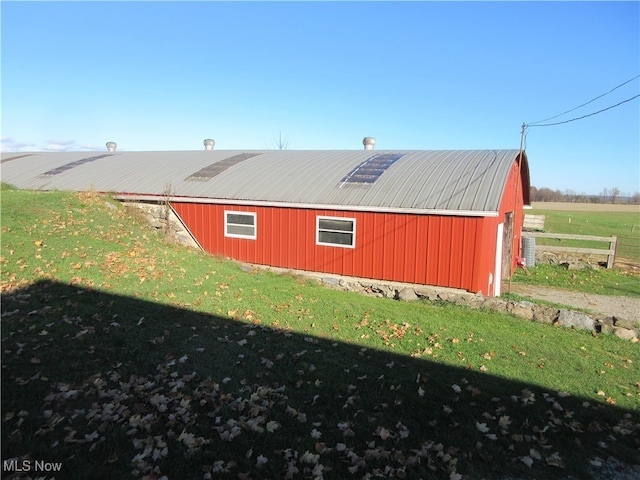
507,246
497,274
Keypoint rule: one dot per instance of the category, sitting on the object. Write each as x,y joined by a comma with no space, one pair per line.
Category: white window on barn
336,231
240,225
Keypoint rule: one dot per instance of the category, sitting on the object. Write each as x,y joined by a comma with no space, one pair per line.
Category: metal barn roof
449,181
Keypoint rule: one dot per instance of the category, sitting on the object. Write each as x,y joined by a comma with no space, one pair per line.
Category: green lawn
619,281
624,225
127,357
601,281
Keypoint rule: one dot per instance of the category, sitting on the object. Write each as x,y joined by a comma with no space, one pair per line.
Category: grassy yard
623,224
619,281
127,357
613,282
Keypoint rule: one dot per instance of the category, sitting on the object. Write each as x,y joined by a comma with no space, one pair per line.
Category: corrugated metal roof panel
454,180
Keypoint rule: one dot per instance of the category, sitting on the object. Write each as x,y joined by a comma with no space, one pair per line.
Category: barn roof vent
111,146
369,143
209,144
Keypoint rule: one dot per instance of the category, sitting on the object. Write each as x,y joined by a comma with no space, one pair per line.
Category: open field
127,357
583,207
602,220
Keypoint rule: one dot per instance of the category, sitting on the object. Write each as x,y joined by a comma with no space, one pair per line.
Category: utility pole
520,161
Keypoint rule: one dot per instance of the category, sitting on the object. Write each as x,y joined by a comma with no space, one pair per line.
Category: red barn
446,218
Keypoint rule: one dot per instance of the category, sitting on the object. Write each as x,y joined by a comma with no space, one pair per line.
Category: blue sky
415,75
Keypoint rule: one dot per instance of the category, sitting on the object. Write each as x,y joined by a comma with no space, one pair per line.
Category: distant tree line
608,195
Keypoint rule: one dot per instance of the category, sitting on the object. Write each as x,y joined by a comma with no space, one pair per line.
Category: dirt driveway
627,308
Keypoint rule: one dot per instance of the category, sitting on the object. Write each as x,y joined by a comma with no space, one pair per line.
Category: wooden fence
533,223
610,252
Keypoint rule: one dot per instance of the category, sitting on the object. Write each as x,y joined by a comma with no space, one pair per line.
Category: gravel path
627,308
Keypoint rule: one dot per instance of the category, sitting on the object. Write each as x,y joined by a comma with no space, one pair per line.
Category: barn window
240,224
338,232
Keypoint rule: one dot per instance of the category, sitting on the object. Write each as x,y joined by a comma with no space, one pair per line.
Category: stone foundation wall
162,218
524,309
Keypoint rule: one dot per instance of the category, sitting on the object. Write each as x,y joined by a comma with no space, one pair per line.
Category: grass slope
624,225
127,357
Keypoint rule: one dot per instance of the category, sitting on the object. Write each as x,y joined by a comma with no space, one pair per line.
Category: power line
533,124
584,116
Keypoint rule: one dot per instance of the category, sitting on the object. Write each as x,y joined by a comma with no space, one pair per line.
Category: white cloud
8,144
92,148
59,146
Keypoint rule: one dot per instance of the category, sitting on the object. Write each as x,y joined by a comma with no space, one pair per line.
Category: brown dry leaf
555,461
15,437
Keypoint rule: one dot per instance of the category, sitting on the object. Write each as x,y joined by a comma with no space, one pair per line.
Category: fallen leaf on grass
272,426
482,427
528,461
555,461
504,422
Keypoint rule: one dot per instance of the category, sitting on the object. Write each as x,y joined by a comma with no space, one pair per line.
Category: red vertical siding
484,259
433,250
410,248
376,232
513,201
446,260
423,249
420,244
468,251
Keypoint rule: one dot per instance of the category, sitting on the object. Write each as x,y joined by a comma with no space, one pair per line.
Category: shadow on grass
104,386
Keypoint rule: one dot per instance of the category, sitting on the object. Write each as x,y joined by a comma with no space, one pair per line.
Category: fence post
613,246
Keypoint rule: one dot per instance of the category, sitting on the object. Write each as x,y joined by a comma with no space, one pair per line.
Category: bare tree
614,193
281,143
607,195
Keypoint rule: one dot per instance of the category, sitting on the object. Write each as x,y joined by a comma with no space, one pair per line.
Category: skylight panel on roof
71,165
4,160
217,168
370,170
